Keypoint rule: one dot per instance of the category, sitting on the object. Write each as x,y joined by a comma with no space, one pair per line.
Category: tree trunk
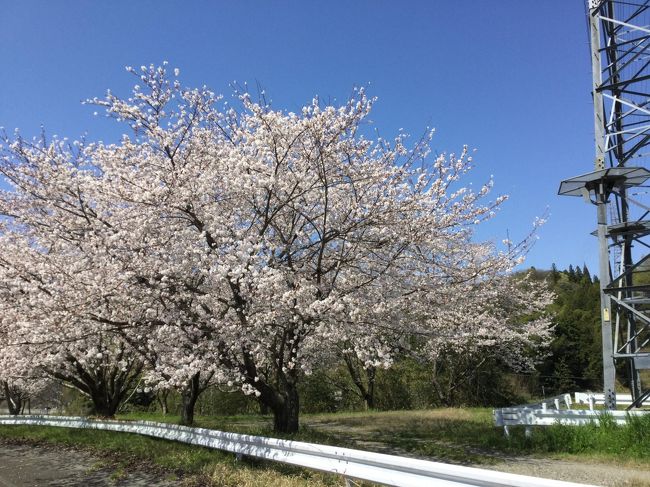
281,395
264,408
366,388
369,402
189,395
14,403
371,373
437,387
103,406
286,411
162,401
106,387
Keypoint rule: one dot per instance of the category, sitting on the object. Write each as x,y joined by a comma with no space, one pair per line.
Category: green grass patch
469,436
250,425
458,435
604,438
465,436
196,465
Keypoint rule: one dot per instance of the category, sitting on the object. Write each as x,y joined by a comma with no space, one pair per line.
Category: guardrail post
591,403
506,431
557,403
528,432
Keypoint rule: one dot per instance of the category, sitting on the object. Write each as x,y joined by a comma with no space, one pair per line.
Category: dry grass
224,475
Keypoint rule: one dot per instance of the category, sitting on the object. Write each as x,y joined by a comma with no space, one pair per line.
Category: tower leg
609,371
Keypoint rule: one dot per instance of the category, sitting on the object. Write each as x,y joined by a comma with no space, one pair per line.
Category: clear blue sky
510,78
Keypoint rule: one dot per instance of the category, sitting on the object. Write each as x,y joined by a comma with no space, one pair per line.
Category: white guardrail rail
599,399
549,412
351,464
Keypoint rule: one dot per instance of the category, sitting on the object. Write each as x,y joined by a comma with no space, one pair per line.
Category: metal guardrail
351,464
540,414
576,417
599,399
555,401
35,411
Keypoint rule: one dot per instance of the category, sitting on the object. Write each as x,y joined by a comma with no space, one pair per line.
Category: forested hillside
575,359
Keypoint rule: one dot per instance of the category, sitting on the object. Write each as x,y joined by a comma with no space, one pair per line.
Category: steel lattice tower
620,58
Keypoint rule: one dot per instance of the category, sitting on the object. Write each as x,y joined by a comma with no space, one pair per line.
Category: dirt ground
586,473
26,465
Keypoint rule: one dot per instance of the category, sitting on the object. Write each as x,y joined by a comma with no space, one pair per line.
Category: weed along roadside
460,436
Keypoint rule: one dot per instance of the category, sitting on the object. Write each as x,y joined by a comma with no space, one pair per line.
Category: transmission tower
620,59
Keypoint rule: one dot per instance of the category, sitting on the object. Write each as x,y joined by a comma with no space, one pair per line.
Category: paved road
29,466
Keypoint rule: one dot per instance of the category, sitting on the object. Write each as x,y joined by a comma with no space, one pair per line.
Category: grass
468,436
195,465
250,425
465,436
604,438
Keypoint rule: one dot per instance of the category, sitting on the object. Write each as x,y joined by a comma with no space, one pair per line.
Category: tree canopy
242,245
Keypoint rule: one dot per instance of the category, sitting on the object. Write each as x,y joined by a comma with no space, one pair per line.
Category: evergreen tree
578,274
562,378
586,273
572,273
575,358
555,275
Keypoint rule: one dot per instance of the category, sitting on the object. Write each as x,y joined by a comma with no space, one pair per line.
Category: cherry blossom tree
244,242
176,361
304,231
55,275
19,379
82,298
51,340
19,383
509,319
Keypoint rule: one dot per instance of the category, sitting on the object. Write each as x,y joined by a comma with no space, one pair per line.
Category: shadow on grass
468,436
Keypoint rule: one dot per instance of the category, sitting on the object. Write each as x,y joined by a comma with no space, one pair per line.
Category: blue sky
510,78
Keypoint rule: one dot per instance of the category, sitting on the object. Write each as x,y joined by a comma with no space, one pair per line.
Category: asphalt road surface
23,466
